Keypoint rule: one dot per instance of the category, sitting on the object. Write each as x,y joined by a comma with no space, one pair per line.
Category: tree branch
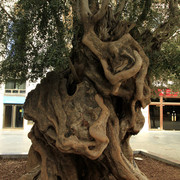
114,79
100,14
98,48
4,10
145,11
173,7
165,30
58,22
94,6
121,6
85,11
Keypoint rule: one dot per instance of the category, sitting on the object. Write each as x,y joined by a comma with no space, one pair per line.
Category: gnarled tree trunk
84,118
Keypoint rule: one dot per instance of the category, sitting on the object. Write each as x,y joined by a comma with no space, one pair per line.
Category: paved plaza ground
165,144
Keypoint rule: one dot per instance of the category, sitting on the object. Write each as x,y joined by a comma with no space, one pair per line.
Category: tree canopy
38,36
86,110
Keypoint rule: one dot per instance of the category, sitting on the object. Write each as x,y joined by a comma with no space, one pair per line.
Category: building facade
12,98
162,114
164,111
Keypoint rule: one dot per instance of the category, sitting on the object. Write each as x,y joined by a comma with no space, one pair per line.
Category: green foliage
37,36
164,68
35,39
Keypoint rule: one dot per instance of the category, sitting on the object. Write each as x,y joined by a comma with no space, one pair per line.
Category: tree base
78,135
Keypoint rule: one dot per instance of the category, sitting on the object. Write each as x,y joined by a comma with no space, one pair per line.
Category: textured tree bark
82,127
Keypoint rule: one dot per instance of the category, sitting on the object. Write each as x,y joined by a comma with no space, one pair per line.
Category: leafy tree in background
156,22
165,69
86,110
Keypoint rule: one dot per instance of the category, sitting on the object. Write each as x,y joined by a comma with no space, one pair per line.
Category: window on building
154,114
13,116
15,88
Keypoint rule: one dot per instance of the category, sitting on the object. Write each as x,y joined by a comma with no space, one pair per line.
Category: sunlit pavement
162,143
14,142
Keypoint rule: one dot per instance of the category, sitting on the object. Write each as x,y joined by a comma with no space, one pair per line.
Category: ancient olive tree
85,113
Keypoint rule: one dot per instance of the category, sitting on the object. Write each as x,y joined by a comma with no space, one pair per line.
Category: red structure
165,113
168,93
